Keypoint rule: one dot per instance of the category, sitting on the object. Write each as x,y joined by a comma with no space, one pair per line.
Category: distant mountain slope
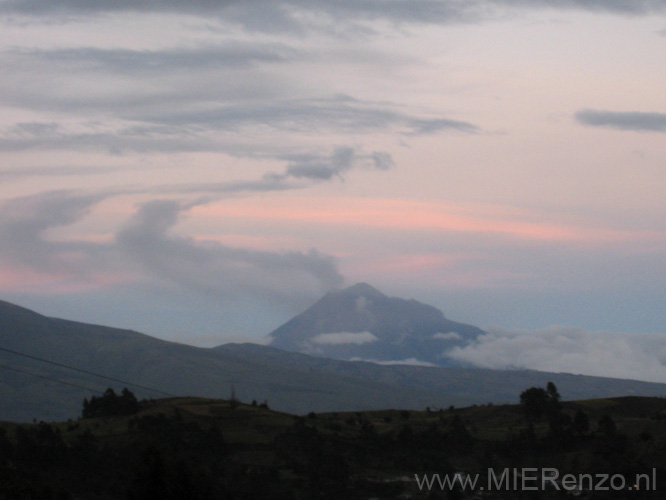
452,385
290,381
175,368
362,323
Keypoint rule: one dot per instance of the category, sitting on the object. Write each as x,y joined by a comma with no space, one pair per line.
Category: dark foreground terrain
192,448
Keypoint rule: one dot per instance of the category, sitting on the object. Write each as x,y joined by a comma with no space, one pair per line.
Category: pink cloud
427,216
450,270
24,280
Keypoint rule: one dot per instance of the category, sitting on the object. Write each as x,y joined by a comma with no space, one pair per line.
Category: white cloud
447,336
408,361
639,356
341,338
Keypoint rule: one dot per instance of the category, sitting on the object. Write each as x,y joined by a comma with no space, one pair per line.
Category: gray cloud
383,160
437,11
632,7
81,7
17,173
145,79
623,120
301,172
108,139
145,249
340,112
34,129
131,100
284,14
571,350
215,269
233,54
262,15
24,224
340,161
188,131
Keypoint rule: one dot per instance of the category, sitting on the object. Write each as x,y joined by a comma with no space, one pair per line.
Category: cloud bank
447,336
571,350
408,361
344,338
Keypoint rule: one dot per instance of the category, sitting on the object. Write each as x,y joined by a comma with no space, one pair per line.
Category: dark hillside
193,448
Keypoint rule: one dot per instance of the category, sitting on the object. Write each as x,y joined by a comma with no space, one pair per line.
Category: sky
202,171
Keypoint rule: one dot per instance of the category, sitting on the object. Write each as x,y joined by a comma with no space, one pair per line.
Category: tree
537,401
233,400
553,399
128,402
607,426
581,423
151,476
110,404
12,487
552,392
534,402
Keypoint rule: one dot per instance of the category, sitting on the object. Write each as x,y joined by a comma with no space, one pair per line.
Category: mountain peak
362,289
360,322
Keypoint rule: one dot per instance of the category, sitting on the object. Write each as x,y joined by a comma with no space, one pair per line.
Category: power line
49,378
86,372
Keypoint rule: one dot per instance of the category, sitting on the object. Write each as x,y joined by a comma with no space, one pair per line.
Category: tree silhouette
534,402
110,404
538,402
581,423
